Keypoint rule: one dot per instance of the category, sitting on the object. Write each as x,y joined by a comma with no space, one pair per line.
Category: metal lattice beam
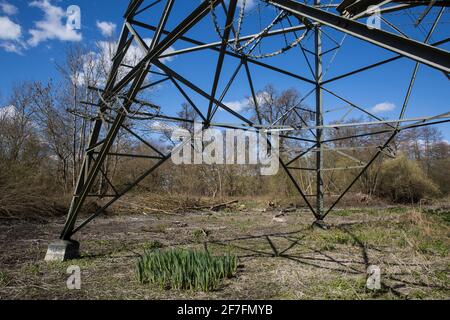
313,17
418,51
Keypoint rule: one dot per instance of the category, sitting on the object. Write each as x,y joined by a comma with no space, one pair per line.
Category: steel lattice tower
126,82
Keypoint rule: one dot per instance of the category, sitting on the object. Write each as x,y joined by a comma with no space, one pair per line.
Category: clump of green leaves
185,269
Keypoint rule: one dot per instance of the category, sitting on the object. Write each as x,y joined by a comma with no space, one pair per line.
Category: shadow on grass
269,246
324,260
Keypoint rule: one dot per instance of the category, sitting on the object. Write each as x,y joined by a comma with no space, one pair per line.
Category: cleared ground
281,258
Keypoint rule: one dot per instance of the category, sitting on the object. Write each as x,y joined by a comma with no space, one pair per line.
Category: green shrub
403,181
185,269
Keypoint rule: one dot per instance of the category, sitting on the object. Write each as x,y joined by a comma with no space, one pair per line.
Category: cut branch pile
154,203
19,202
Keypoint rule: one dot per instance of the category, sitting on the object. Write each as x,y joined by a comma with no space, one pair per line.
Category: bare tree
53,123
17,133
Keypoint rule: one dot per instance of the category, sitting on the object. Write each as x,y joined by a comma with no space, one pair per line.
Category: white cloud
100,61
135,53
263,97
9,30
237,105
52,26
8,8
159,126
249,4
11,47
10,36
106,28
383,107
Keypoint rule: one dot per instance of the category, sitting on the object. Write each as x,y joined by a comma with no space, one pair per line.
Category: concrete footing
62,250
321,225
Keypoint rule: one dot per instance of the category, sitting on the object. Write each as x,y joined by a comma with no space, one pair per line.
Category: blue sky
37,62
33,39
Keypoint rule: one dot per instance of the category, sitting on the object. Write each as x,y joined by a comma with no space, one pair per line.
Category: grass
339,288
398,210
435,246
153,245
4,279
329,240
198,236
343,213
185,269
443,215
410,245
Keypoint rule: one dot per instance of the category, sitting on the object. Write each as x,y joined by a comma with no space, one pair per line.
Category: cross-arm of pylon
434,57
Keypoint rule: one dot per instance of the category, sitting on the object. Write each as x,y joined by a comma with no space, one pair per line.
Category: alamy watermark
373,278
227,147
74,280
374,20
73,14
